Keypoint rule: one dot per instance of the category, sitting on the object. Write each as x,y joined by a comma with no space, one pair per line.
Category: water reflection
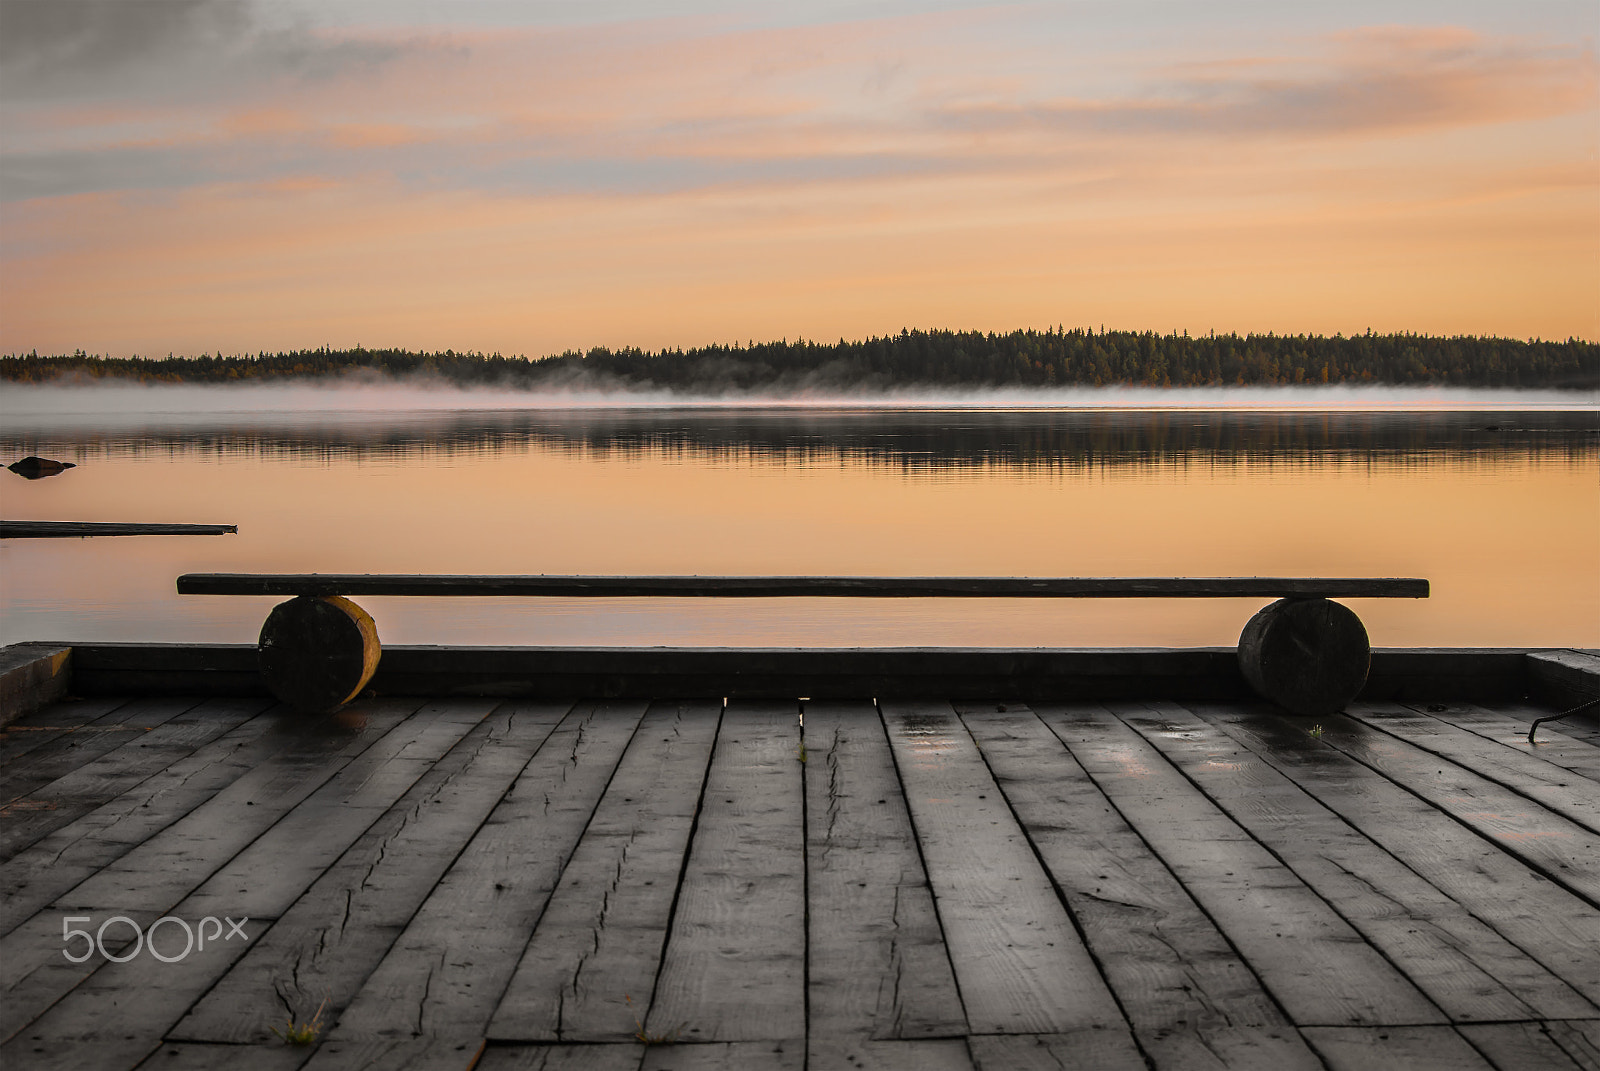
911,442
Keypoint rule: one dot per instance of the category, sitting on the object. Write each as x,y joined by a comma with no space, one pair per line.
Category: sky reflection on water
1500,509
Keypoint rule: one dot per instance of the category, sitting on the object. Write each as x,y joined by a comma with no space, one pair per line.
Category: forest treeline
1050,358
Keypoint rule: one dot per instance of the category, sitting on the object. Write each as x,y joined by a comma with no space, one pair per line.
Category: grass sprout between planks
669,1037
305,1033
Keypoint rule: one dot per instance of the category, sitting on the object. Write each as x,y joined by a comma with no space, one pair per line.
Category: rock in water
34,468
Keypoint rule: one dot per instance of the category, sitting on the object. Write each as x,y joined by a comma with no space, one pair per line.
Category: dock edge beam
32,675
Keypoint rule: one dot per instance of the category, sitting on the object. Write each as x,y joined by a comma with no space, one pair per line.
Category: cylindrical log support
318,652
1310,656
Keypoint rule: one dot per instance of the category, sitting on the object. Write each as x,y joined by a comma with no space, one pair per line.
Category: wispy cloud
199,163
675,104
52,50
1377,80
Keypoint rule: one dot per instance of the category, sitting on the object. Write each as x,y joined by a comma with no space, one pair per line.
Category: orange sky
455,178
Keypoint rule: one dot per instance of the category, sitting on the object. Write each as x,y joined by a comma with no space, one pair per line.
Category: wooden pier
1096,880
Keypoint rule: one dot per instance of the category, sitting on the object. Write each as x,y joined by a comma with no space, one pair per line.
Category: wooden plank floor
456,883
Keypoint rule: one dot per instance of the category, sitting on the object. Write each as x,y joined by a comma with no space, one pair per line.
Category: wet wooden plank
1089,1049
122,1011
771,587
1414,1048
32,731
449,1050
1310,959
1192,1002
446,971
1463,965
141,755
1553,1046
1019,961
734,967
331,939
590,970
1568,751
71,854
1585,726
192,1056
151,879
268,876
925,1054
726,1056
1520,769
84,744
1556,846
878,968
558,1057
1547,922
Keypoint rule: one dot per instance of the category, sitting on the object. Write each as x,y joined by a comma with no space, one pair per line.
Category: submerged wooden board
80,529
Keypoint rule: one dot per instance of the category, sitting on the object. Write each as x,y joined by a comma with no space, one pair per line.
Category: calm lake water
1498,507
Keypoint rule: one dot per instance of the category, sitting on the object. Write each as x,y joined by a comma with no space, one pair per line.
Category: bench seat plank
771,587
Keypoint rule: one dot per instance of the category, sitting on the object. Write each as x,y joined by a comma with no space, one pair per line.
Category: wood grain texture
27,734
1395,1048
153,878
878,965
513,1056
1192,1002
726,1056
1463,965
1019,961
446,971
1310,959
773,587
1547,922
734,967
325,946
589,972
1556,1046
842,1054
129,1007
1558,847
188,1056
141,756
1524,770
1081,1050
66,752
1569,751
445,1051
74,852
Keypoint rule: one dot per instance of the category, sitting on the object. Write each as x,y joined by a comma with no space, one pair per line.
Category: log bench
1306,653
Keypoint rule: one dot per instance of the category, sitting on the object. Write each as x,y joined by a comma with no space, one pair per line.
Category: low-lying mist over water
27,405
936,433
